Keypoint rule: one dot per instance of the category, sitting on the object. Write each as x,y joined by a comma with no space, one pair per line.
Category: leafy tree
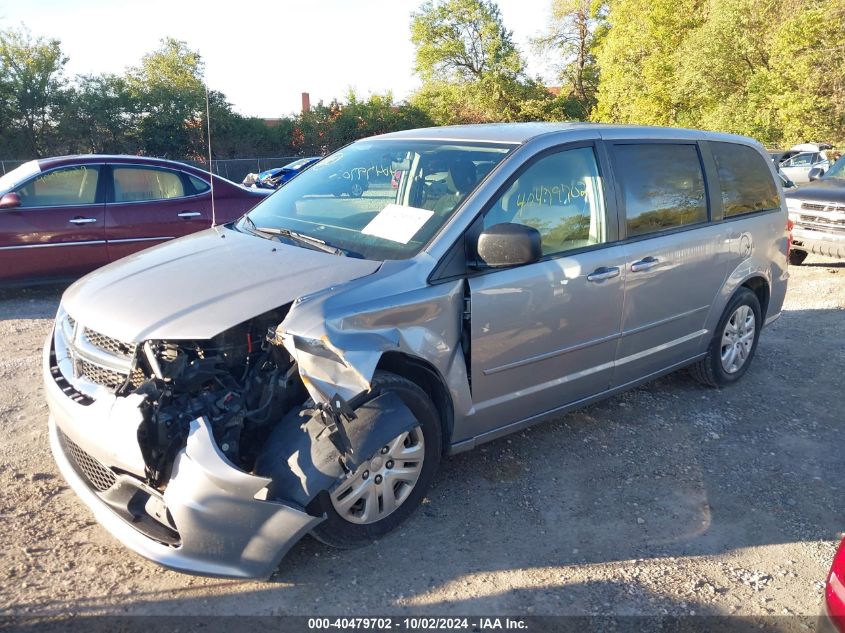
329,127
638,61
31,73
98,115
469,64
771,69
806,70
170,90
463,40
575,28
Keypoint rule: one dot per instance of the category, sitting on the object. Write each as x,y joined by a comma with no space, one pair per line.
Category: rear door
58,229
544,335
675,257
149,205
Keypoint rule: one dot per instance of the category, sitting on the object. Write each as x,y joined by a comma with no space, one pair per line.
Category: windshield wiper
314,242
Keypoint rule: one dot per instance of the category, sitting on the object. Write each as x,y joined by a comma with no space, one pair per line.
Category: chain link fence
234,169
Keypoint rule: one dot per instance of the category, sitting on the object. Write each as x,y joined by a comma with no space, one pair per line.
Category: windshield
10,180
837,171
353,201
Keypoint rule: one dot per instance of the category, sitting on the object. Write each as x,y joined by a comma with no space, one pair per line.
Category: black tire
337,531
709,370
356,191
796,258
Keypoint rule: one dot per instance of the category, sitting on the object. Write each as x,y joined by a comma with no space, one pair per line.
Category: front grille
109,344
821,223
814,206
108,378
98,476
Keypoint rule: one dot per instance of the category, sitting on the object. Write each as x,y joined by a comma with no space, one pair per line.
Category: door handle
600,274
82,220
189,214
646,263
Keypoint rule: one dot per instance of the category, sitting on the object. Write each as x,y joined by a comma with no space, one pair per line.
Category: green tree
470,67
638,60
463,40
326,128
170,90
98,115
576,27
806,71
31,73
771,69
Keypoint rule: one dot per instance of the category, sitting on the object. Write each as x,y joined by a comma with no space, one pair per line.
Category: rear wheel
357,190
734,342
389,485
796,258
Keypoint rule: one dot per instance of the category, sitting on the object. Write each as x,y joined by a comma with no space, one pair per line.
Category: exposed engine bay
242,381
248,387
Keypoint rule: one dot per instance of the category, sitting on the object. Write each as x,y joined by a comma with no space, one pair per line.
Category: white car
801,159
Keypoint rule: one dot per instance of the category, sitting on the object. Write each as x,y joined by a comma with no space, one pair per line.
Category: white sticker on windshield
398,223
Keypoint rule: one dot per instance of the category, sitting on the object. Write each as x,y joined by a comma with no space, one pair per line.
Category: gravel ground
670,499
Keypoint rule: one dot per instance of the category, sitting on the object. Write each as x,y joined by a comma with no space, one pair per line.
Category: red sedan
63,217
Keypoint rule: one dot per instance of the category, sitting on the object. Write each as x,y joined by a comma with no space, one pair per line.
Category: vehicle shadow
33,302
818,261
649,480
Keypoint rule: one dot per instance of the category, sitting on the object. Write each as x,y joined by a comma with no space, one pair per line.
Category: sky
261,55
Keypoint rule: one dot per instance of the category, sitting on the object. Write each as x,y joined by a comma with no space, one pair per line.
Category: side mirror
508,244
10,200
815,173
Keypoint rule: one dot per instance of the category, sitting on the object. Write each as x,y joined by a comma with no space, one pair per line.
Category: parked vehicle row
63,217
305,368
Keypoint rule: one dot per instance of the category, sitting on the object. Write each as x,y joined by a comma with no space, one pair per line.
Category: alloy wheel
738,339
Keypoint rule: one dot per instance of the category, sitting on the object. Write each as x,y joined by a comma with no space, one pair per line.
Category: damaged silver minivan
304,369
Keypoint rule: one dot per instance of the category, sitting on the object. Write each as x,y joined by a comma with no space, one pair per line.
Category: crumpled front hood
200,285
824,190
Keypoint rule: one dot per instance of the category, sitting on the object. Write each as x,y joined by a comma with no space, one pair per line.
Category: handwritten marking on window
365,173
550,196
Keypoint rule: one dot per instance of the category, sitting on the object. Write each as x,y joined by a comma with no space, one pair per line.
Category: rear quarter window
199,185
744,179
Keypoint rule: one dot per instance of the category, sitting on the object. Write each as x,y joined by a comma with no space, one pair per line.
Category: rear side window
132,184
744,178
61,187
662,186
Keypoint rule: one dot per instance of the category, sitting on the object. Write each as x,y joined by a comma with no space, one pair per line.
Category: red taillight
834,593
789,225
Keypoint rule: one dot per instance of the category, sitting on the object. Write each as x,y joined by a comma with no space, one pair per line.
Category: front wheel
733,344
357,190
390,484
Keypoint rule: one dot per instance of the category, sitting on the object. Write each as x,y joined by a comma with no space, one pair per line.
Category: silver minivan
305,368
